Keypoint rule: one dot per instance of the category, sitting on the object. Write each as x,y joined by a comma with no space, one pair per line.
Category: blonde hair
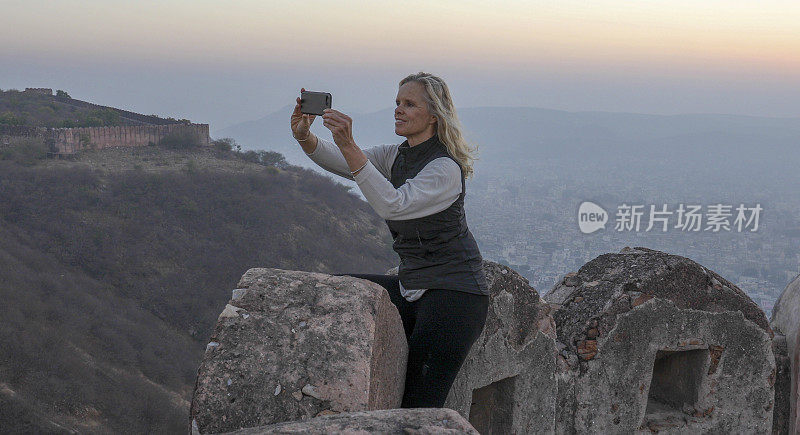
440,104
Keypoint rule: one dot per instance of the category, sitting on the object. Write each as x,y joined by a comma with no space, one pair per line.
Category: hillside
36,109
116,265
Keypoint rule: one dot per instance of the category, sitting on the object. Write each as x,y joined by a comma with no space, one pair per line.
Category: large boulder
291,345
786,320
658,342
419,421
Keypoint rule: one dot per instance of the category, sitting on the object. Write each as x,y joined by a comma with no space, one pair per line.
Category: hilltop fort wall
8,131
70,140
139,130
43,91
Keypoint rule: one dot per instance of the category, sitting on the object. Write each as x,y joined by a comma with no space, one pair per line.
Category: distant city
528,220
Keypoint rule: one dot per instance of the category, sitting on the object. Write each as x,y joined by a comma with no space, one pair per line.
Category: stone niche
678,377
293,345
654,342
786,320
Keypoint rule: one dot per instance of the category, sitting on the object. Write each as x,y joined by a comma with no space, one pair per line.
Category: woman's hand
340,125
301,122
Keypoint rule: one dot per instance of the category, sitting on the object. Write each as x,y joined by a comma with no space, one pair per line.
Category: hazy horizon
225,63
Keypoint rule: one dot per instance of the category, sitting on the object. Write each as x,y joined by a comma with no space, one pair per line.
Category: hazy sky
224,62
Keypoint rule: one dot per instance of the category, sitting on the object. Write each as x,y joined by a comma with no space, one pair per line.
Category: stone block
656,342
291,345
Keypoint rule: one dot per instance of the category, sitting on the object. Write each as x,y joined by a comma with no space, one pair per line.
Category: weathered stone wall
7,132
636,342
70,140
657,342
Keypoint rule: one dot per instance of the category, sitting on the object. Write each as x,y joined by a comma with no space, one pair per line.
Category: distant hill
116,265
272,132
514,135
40,109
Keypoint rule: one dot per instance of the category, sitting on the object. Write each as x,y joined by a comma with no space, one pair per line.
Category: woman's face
412,118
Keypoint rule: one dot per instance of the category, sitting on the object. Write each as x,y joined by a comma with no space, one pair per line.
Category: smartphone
313,103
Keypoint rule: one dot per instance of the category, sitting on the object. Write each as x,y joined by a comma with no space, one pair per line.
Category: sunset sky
229,61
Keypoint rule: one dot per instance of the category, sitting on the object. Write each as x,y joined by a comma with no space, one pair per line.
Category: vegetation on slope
116,265
40,110
35,109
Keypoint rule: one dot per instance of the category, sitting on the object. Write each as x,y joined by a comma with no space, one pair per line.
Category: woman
418,188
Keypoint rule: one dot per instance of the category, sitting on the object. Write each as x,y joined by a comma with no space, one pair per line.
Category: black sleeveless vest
436,251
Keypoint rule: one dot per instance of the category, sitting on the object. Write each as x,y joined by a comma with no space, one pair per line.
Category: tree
63,94
272,158
9,118
251,156
24,150
225,144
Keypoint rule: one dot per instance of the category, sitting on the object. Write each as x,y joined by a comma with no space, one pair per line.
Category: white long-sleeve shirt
435,188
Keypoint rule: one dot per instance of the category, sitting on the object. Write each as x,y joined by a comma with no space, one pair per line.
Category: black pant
440,327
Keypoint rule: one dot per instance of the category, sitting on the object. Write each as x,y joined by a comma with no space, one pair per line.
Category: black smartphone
313,103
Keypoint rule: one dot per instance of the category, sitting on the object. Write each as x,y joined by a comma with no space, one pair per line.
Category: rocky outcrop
508,381
420,421
655,341
786,320
292,345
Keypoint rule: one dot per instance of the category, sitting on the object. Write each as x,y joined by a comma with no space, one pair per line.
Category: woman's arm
308,143
344,158
341,126
433,189
335,160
